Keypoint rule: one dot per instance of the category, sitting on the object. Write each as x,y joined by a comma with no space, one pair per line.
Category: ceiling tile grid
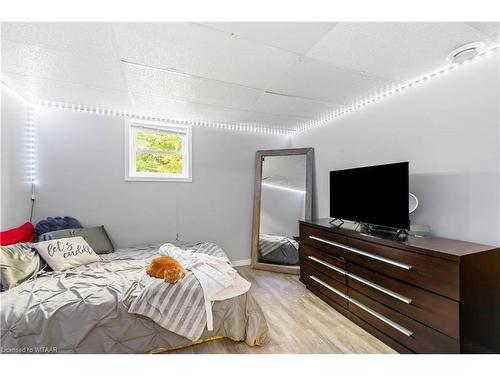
395,51
78,38
39,89
294,106
197,111
317,80
34,61
156,83
298,37
277,74
193,49
491,29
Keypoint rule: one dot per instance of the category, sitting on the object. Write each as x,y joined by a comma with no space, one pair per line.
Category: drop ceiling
274,74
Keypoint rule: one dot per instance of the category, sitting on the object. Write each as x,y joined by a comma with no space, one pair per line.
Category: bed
85,310
278,250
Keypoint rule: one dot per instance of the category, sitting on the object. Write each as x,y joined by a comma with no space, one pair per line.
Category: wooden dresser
421,295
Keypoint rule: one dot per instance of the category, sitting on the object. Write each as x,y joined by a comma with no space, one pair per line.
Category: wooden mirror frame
259,157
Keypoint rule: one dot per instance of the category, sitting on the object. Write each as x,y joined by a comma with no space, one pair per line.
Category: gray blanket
85,310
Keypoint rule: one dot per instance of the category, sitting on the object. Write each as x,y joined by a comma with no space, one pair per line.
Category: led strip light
30,144
335,114
241,127
31,154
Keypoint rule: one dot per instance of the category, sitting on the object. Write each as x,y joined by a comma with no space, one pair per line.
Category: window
158,151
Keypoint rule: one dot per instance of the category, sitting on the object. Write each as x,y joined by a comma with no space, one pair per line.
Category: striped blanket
270,242
179,307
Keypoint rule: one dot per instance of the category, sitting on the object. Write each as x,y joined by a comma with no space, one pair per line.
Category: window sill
158,179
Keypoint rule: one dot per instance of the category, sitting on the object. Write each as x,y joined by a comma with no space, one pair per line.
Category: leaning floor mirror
283,190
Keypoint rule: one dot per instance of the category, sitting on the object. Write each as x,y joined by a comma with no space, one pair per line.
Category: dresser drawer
434,274
315,237
408,332
331,288
328,264
426,307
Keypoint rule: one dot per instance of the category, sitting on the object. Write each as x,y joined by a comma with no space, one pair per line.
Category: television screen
372,195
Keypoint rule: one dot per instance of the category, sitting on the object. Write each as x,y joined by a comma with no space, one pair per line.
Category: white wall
15,181
448,129
281,211
81,169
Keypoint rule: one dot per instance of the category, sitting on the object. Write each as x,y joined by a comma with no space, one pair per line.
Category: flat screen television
376,195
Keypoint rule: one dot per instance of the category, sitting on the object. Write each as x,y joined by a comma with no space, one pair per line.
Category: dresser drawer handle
329,287
317,260
380,288
367,309
353,250
363,281
394,325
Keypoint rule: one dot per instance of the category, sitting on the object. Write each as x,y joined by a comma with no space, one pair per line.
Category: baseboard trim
241,262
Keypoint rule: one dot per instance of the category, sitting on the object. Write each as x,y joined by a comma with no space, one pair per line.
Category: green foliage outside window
158,162
158,141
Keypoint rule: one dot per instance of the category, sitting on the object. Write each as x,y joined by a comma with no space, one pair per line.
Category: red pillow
24,233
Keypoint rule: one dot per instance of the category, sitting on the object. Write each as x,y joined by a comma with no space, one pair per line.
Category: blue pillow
52,224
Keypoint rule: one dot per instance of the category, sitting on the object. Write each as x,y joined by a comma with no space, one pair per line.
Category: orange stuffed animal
166,268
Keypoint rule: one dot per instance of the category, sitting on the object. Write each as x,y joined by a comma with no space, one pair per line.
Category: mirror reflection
283,199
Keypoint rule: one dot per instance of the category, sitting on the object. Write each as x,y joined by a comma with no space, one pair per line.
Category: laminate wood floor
299,322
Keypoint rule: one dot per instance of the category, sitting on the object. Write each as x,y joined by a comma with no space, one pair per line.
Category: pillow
51,224
66,253
24,233
96,237
18,263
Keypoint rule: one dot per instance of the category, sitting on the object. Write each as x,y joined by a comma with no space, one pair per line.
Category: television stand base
336,219
383,232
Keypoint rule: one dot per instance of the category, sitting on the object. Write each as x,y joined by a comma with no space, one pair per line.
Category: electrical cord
32,211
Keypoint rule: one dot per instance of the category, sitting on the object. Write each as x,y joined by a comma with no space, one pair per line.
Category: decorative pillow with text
65,253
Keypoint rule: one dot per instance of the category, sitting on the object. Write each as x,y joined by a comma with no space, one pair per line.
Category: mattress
85,310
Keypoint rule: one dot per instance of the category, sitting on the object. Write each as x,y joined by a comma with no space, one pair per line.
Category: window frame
131,127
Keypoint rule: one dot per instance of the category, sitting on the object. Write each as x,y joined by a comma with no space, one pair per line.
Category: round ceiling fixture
465,52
